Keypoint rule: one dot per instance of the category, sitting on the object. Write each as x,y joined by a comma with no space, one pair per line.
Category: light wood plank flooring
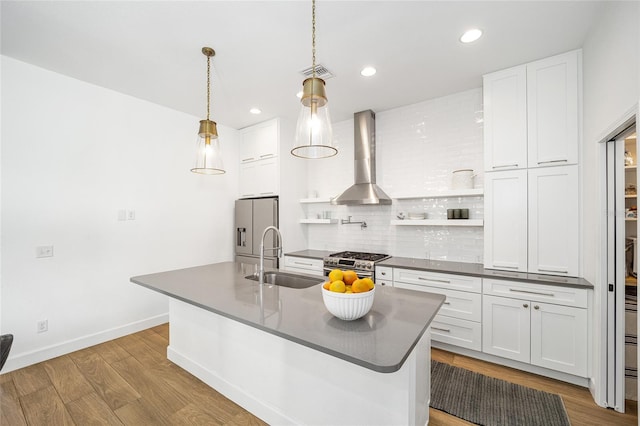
129,381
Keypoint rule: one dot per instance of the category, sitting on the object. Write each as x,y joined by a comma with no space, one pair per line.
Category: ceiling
151,49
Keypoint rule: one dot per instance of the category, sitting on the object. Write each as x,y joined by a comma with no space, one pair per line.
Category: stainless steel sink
286,279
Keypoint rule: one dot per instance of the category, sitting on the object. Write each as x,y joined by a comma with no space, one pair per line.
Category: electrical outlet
44,251
122,214
131,215
43,325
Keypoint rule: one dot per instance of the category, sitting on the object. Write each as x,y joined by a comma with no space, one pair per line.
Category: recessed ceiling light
299,94
255,111
368,71
471,35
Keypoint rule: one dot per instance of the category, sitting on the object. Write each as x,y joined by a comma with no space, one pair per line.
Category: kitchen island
282,356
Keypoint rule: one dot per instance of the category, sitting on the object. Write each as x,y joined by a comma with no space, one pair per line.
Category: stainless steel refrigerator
252,216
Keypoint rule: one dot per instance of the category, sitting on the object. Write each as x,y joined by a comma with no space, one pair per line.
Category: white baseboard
557,375
25,359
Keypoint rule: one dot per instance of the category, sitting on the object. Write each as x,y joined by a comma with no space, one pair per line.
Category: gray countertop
380,341
478,270
311,254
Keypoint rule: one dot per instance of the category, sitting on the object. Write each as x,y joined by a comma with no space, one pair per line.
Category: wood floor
129,381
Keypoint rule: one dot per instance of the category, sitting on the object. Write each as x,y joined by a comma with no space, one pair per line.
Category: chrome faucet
262,250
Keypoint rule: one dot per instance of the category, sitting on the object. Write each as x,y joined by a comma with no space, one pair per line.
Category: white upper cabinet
505,226
259,165
505,119
531,114
554,220
552,105
259,142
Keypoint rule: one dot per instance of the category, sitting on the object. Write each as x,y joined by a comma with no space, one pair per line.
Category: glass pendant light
313,131
208,154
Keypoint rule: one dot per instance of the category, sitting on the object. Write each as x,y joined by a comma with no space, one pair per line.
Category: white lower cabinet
459,320
384,276
303,265
525,329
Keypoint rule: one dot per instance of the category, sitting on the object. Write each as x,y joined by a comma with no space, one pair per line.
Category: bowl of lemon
346,296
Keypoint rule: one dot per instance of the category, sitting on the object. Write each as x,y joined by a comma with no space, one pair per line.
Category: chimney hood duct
364,191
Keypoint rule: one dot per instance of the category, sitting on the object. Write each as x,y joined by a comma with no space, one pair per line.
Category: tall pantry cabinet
531,140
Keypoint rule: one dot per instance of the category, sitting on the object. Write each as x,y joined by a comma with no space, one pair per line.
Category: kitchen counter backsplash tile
418,148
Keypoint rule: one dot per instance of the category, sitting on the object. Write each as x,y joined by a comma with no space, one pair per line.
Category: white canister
462,179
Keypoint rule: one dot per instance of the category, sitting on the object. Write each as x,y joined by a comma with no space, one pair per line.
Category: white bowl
348,306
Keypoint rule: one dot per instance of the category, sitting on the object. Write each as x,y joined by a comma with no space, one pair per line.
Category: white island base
283,382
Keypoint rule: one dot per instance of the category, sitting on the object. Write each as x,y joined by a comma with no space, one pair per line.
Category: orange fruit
360,286
326,285
369,282
335,275
349,277
338,287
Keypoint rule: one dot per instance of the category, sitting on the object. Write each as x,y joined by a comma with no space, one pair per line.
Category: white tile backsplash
417,148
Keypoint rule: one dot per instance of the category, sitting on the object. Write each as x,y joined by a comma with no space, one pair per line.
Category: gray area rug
492,402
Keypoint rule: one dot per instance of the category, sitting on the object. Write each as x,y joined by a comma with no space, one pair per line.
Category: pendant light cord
208,84
313,37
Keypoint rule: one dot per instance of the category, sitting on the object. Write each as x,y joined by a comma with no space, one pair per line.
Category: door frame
600,375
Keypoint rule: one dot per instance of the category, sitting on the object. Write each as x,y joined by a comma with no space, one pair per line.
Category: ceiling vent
321,72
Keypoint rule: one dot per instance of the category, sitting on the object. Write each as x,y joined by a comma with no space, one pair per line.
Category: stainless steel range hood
365,190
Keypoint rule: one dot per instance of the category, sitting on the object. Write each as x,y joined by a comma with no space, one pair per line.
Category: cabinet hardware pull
531,292
266,155
525,305
383,273
302,263
552,161
561,271
497,265
446,330
264,193
505,165
433,279
446,303
536,307
247,159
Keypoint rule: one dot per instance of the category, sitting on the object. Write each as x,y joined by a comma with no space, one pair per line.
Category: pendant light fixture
208,155
313,131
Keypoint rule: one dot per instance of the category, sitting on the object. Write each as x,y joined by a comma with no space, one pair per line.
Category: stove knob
369,266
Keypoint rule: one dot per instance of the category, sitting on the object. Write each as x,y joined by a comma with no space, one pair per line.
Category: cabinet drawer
309,265
458,304
384,273
454,331
435,279
536,292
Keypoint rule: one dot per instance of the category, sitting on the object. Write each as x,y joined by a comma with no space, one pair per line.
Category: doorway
622,267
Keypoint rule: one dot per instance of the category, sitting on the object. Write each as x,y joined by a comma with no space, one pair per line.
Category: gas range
362,263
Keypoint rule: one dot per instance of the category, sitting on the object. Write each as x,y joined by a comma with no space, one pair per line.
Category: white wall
73,154
418,146
611,88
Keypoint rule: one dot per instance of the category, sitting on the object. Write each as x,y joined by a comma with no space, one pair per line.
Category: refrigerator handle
241,237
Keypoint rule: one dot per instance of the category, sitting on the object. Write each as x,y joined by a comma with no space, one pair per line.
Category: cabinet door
506,328
248,179
505,119
552,105
266,143
267,181
559,338
554,220
505,223
248,145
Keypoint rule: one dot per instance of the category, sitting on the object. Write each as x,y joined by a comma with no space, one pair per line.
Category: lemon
335,275
359,286
369,282
349,277
338,287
